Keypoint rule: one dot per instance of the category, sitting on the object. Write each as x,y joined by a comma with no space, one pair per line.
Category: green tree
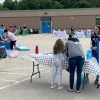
9,4
30,4
49,4
97,3
1,7
39,4
16,5
82,4
57,5
68,3
46,4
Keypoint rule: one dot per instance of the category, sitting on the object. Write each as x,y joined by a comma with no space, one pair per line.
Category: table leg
83,83
38,71
85,80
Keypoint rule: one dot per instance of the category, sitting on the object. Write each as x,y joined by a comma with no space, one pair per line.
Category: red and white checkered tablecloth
90,66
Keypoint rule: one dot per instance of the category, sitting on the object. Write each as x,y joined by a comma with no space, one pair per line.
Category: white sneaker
60,87
71,90
53,86
77,91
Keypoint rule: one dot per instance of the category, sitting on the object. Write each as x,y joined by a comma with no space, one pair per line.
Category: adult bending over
74,51
10,36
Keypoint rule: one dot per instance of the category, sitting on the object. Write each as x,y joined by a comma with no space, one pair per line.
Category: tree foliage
82,4
9,4
1,7
48,4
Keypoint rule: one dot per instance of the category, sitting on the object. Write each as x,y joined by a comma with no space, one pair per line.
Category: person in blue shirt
2,34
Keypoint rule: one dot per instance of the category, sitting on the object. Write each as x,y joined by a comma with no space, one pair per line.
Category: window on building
97,20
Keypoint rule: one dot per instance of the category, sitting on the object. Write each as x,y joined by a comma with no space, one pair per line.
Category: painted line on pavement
15,73
8,80
6,86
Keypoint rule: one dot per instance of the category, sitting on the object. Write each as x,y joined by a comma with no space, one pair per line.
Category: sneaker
77,91
71,90
53,86
60,87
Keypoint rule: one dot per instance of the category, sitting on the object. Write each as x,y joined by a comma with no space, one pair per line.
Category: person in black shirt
94,42
72,30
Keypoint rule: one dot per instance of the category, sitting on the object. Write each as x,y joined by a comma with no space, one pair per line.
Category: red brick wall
62,22
32,22
78,22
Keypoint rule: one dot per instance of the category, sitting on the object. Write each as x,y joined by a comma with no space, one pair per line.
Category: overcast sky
1,1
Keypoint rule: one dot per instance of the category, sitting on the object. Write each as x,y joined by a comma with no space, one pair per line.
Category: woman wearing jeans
74,51
94,46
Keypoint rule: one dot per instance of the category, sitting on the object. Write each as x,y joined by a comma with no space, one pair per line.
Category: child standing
58,56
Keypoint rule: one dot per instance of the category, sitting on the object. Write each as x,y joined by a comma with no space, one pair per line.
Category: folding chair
3,52
3,55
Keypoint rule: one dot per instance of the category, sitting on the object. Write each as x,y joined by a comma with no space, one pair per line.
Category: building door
45,25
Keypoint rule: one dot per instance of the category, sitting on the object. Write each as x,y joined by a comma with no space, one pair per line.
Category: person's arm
83,55
66,49
1,38
5,39
93,43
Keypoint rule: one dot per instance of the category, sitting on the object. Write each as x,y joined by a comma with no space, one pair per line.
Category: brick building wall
79,22
63,18
32,22
63,22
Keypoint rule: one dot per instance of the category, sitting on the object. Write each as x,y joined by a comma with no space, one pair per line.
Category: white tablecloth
60,33
90,66
80,34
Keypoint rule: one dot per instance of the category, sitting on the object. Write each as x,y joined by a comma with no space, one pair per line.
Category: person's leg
72,65
54,71
96,80
11,44
14,44
94,54
80,63
59,75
